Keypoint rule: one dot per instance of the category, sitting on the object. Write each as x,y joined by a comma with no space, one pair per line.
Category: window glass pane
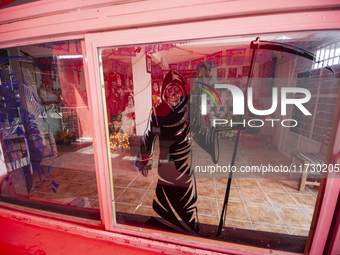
331,54
337,52
327,53
47,157
202,134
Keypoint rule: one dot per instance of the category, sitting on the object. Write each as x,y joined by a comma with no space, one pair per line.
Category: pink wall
73,86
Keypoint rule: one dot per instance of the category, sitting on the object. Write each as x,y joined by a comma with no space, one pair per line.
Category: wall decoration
156,70
222,72
121,67
156,88
216,58
127,52
148,64
173,66
245,70
151,49
58,46
263,56
28,73
232,72
166,47
235,56
183,66
195,63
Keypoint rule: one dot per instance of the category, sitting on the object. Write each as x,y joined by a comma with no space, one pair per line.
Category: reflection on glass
259,112
46,140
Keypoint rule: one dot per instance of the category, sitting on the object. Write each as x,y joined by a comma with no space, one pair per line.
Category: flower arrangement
64,137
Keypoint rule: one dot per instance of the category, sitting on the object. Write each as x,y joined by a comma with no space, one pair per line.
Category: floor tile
207,206
235,210
71,176
310,212
86,177
298,231
126,208
271,185
249,196
71,189
94,204
206,191
294,217
270,228
281,199
293,187
306,201
224,182
140,182
57,174
146,211
117,191
211,220
313,189
90,191
122,181
205,181
248,184
148,198
234,194
153,184
238,224
263,214
131,196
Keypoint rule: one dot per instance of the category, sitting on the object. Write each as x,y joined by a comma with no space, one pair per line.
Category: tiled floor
265,202
74,173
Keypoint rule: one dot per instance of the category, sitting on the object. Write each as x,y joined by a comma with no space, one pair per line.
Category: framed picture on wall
245,70
222,72
27,71
49,149
148,64
232,72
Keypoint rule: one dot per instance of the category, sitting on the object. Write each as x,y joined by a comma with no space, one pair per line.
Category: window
189,156
47,157
327,56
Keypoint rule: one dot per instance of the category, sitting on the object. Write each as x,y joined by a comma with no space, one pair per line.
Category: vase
59,142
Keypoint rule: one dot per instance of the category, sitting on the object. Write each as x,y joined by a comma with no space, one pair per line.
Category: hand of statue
145,170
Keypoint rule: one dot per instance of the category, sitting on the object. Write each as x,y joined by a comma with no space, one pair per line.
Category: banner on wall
216,58
195,63
235,56
152,49
126,52
57,46
173,66
184,66
120,67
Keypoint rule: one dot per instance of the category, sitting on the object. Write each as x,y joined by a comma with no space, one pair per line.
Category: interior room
48,141
268,189
277,200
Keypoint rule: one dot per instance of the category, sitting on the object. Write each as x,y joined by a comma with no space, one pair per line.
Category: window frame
233,26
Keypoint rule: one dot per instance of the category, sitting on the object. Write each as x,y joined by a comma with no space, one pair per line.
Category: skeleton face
173,94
